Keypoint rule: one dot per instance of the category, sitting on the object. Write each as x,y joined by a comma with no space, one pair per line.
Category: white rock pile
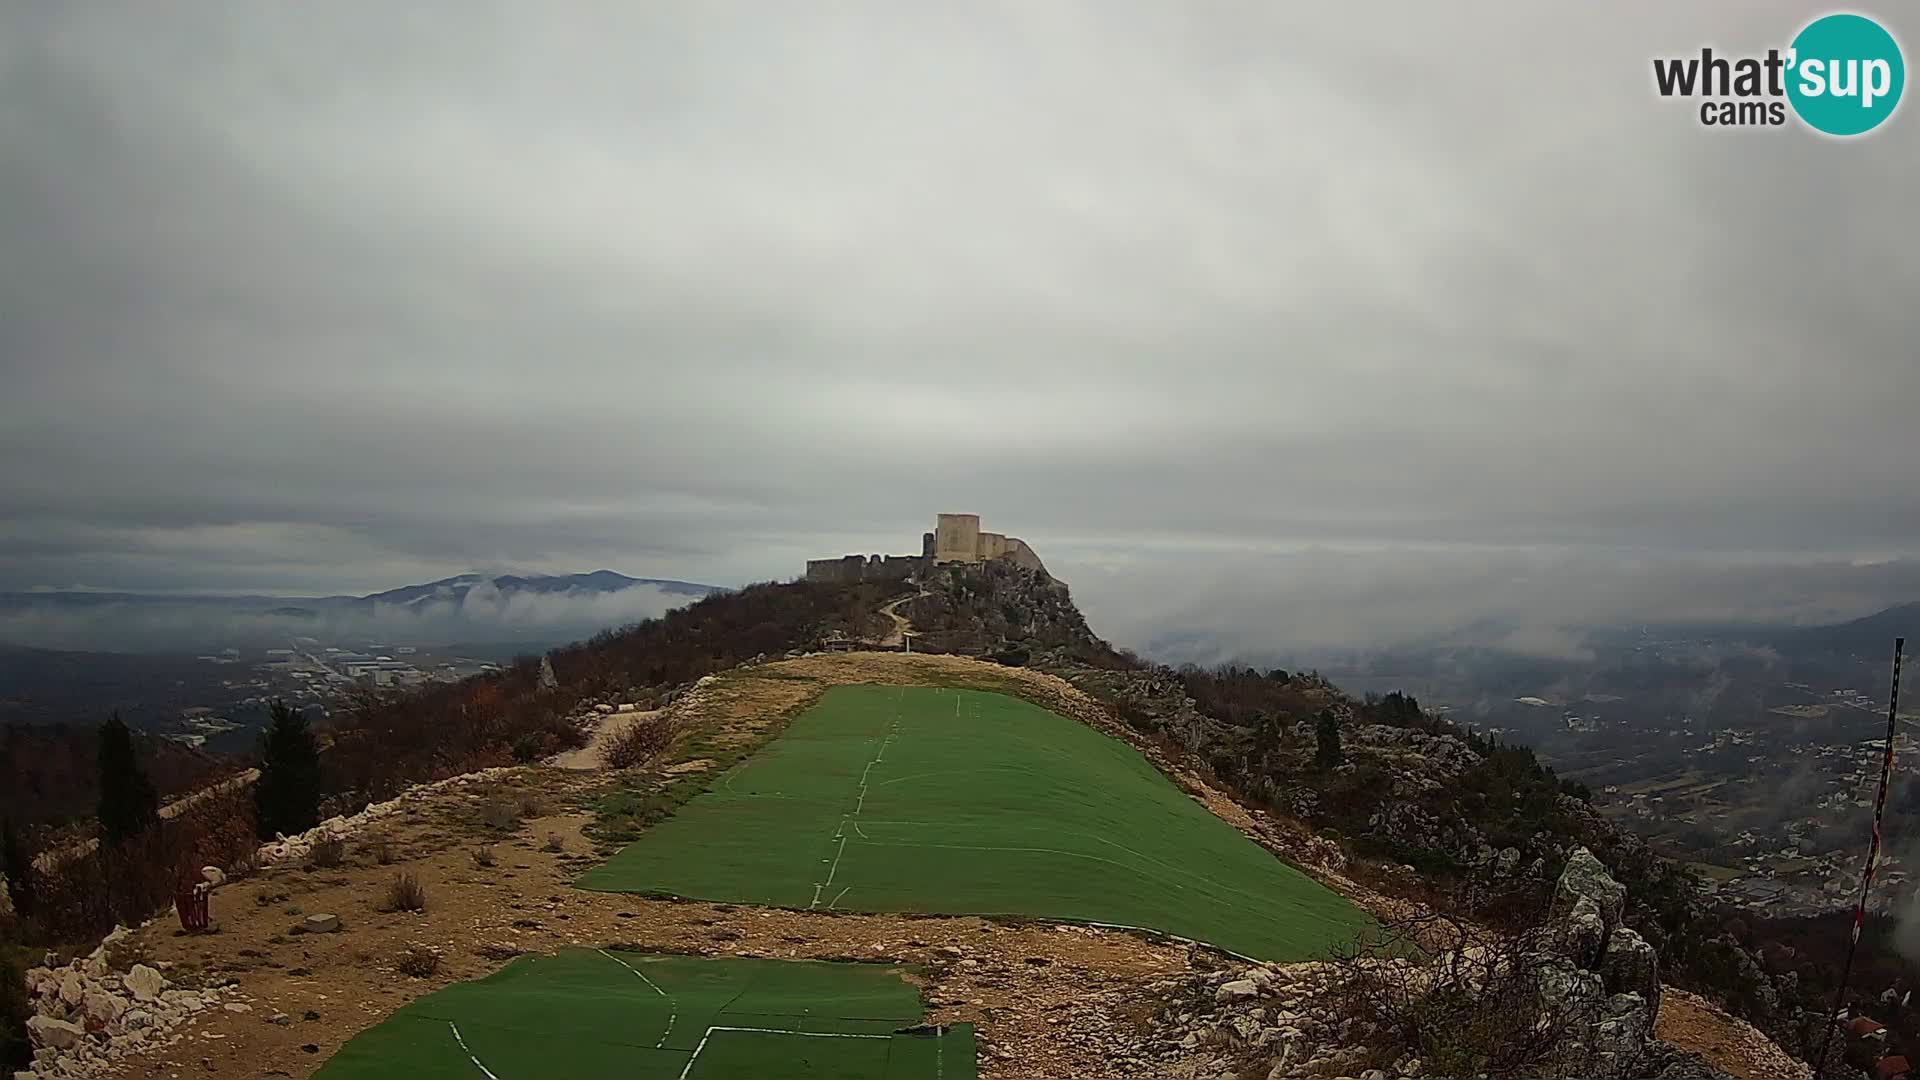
86,1015
297,846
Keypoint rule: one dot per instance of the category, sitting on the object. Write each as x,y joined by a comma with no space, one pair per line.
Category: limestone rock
1584,933
1237,990
321,924
213,876
73,989
103,1006
143,982
1630,967
57,1034
1586,876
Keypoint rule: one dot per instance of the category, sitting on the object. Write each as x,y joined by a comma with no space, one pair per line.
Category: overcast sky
1310,322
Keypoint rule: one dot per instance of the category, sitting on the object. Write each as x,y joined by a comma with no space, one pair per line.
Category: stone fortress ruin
956,538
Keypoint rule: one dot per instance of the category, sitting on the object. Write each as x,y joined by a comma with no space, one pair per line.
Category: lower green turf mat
613,1015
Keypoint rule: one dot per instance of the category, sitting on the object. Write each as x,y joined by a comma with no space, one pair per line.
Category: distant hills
467,607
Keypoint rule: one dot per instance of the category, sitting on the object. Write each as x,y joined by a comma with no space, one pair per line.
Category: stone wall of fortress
955,538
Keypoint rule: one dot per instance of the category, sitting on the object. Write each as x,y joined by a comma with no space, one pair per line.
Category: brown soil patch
1728,1043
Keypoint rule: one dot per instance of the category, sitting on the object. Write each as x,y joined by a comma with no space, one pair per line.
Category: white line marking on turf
470,1057
765,1031
673,1007
840,830
842,896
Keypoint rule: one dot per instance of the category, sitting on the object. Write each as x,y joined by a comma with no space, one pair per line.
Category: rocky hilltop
1501,894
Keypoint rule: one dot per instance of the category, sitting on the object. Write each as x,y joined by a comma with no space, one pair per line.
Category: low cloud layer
181,624
1249,313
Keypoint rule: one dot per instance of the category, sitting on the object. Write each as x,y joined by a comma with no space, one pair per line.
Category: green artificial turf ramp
914,799
591,1015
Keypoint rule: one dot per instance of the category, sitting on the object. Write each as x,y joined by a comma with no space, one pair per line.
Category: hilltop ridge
1385,803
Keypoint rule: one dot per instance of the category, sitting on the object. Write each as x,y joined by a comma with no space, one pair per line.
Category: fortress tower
956,538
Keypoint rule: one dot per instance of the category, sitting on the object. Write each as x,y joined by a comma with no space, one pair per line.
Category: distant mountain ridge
465,607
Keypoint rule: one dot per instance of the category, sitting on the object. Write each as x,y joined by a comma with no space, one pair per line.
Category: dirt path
901,626
593,755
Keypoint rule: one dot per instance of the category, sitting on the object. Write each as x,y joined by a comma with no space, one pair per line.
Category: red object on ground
192,906
1891,1068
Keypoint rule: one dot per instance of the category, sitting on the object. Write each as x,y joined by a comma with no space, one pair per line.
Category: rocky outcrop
87,1014
1601,980
1594,984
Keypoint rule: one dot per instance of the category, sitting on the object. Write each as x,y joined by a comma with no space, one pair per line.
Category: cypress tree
18,868
287,797
128,803
16,1043
1326,731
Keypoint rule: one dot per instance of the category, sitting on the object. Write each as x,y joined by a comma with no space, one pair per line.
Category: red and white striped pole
1873,858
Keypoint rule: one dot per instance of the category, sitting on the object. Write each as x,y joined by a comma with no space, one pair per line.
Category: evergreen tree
287,796
1326,731
128,803
16,1043
18,868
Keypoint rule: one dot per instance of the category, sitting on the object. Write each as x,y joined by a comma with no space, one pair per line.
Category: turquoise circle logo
1847,74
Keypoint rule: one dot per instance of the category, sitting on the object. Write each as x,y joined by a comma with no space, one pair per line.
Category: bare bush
244,865
639,743
530,804
498,813
554,843
418,961
405,893
382,852
1467,1000
483,857
85,894
328,852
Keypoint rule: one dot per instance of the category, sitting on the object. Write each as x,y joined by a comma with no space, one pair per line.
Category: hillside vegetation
1417,807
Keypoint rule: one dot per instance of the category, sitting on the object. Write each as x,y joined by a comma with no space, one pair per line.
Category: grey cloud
331,299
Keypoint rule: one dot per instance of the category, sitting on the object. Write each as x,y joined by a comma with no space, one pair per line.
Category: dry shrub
85,895
639,743
483,857
529,804
418,961
1465,1000
405,893
554,843
497,813
382,852
244,865
329,851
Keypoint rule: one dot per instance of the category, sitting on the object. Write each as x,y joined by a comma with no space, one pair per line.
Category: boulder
213,876
321,924
1237,990
57,1034
1586,876
1630,967
1583,933
103,1006
73,989
143,982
